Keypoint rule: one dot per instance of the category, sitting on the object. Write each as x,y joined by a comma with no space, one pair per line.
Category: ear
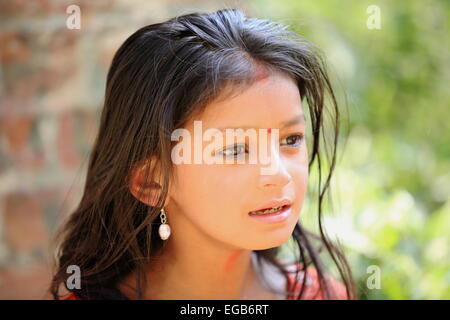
142,184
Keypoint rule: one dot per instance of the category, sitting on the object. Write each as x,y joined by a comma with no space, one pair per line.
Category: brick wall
51,89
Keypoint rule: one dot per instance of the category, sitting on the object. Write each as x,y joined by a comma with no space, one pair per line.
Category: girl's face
214,200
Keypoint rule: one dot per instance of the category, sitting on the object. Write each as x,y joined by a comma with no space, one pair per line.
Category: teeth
268,211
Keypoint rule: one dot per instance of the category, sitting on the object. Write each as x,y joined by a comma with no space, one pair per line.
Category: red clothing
312,288
311,291
71,296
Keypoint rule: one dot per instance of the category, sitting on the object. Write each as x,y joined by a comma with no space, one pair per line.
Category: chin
271,241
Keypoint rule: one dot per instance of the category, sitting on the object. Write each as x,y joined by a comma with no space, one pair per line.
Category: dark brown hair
160,76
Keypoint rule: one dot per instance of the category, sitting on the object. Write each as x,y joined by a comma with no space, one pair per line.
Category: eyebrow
298,119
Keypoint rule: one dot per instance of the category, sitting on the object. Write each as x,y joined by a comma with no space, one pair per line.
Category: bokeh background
391,205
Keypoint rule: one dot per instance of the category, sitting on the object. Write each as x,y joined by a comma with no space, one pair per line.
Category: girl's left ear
141,183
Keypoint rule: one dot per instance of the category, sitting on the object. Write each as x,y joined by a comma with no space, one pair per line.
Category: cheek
207,194
300,176
302,166
299,166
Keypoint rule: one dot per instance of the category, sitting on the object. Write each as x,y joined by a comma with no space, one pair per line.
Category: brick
16,131
29,282
24,222
14,48
67,150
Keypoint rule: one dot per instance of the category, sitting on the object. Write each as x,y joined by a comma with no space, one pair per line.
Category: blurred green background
390,198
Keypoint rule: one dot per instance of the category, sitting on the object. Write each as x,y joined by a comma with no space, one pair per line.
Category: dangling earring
164,228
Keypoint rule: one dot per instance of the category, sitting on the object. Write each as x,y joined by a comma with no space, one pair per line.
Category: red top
312,288
71,296
311,291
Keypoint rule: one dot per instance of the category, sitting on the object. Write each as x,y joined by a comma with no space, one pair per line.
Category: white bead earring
164,228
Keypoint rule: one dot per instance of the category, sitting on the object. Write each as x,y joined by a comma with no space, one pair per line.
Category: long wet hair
160,77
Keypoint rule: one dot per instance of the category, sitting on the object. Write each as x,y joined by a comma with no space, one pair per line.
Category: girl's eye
295,139
233,150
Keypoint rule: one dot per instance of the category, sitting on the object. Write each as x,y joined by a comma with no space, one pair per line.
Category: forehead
271,99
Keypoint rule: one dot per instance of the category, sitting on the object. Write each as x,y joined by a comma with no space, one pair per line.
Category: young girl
150,227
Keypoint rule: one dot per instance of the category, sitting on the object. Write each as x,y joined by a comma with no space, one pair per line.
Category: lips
273,218
273,204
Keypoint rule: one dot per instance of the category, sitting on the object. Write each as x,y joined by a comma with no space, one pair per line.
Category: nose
279,176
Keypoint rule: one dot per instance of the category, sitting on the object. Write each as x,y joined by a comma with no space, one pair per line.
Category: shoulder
312,290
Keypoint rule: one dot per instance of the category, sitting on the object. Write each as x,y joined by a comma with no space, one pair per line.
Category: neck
204,275
192,265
